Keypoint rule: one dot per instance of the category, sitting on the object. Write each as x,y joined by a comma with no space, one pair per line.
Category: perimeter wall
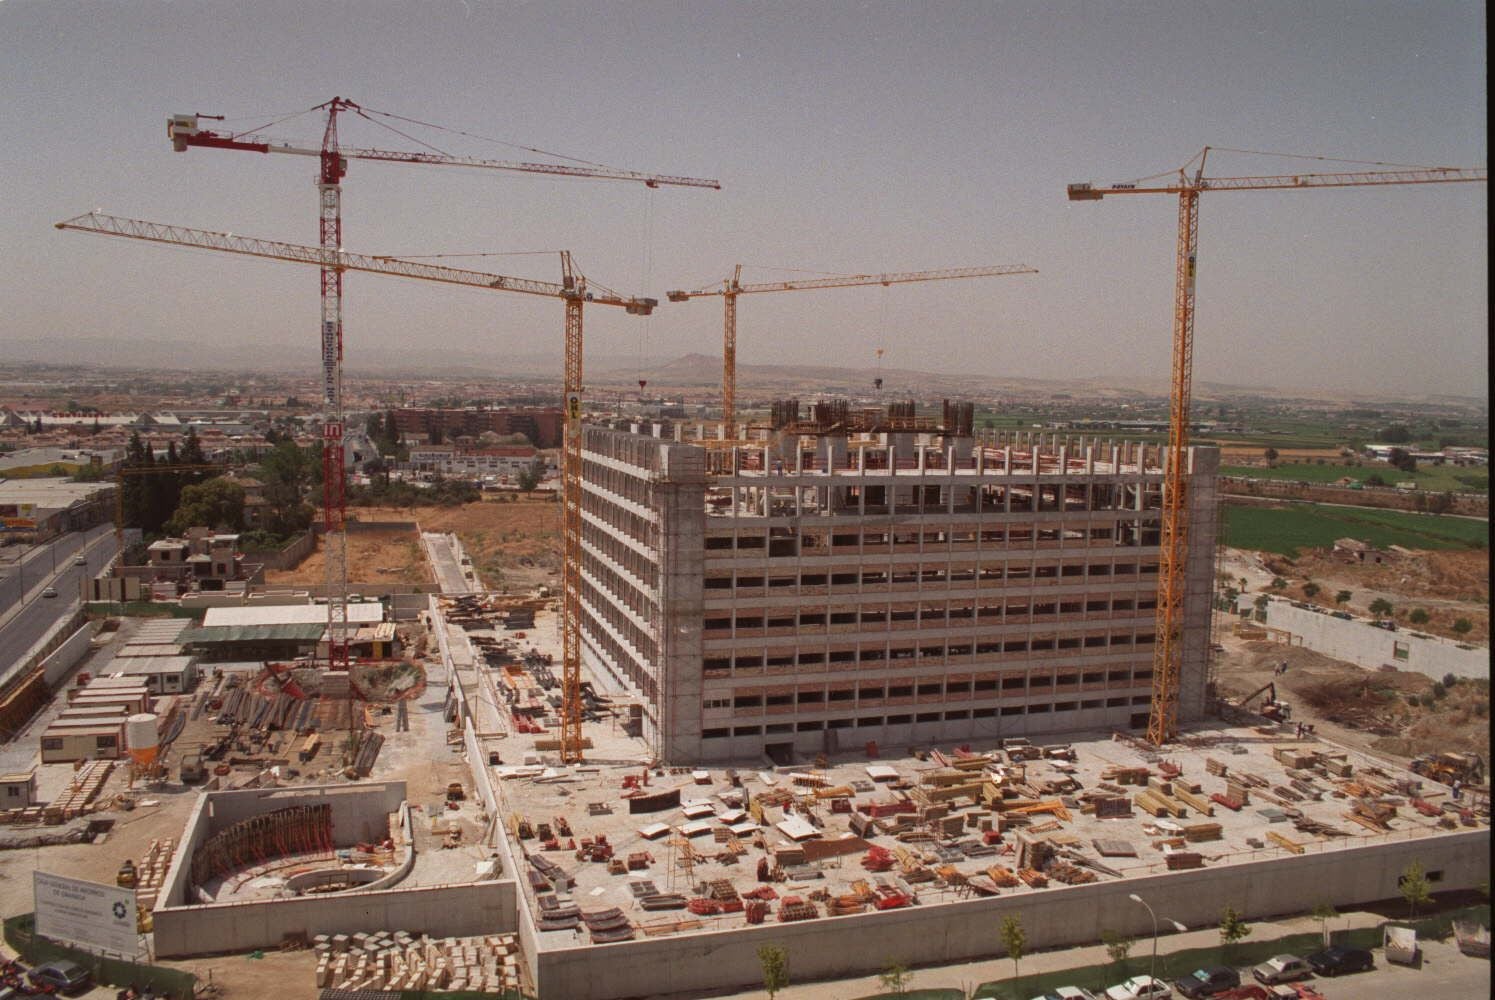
1067,915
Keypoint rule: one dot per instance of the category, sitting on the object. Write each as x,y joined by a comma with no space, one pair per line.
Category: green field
1305,526
1432,478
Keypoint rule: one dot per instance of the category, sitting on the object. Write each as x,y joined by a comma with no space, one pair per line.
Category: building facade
822,591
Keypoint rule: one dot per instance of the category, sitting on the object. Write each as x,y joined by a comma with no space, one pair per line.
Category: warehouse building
853,577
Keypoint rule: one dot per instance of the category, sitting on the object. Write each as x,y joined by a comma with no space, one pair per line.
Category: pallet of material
1033,878
1198,832
1194,800
1002,876
1218,768
1155,803
1063,871
1181,860
658,928
945,793
793,908
1281,841
1122,775
1294,757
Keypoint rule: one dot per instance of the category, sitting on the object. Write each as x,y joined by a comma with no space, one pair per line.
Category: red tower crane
184,132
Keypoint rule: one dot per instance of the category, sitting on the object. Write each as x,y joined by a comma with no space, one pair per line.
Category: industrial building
854,577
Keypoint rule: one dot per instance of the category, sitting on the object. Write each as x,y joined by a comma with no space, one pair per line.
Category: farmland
1290,528
1432,478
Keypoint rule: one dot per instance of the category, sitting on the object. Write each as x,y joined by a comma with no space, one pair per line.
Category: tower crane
185,132
1167,673
733,287
574,290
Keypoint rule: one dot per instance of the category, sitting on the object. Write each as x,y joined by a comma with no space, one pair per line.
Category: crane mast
334,489
1167,674
733,287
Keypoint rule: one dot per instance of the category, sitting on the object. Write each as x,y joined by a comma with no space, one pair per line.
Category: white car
1140,988
1282,969
1066,993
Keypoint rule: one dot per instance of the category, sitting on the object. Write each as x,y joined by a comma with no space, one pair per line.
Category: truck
192,769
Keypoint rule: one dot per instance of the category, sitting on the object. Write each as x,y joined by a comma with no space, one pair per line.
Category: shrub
1342,596
1310,589
1449,680
1413,700
1419,616
1463,626
1439,691
1381,606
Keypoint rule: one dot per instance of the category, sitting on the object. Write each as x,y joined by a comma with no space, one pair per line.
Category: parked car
1342,614
1282,969
1207,982
62,975
50,592
1333,961
1066,993
81,561
1139,988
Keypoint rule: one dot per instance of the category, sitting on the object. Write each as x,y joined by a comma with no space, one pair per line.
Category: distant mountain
690,371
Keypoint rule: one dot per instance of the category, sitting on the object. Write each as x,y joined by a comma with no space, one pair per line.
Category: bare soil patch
514,543
382,556
1370,710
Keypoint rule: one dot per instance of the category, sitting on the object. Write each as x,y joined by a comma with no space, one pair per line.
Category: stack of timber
87,781
399,961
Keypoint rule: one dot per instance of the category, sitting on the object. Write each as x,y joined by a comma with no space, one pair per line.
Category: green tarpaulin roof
206,635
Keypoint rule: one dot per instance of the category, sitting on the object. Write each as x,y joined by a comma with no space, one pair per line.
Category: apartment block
822,589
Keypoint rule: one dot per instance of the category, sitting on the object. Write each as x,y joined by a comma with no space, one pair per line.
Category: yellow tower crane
574,290
1167,672
733,287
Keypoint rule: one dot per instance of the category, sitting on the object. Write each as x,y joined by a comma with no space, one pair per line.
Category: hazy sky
847,137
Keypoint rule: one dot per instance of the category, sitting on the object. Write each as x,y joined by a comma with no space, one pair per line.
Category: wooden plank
1281,841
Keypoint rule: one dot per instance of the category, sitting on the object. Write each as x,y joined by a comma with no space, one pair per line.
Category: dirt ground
1366,709
374,556
1448,585
515,543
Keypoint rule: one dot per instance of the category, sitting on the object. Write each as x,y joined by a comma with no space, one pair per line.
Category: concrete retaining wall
66,656
1362,643
1068,915
441,911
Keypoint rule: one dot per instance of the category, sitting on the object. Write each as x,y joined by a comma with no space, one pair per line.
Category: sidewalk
969,975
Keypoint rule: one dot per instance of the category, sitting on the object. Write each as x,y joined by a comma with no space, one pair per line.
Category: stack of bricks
152,872
401,961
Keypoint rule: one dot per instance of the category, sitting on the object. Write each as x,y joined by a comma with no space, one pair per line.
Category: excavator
1271,708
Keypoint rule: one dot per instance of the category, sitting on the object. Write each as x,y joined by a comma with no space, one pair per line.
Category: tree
287,472
1261,602
1440,503
1381,606
1400,458
1014,939
1232,927
1324,912
530,477
1271,456
217,504
1419,616
1310,589
1463,626
1343,597
1414,886
895,979
1118,948
1278,583
1395,434
1375,479
774,961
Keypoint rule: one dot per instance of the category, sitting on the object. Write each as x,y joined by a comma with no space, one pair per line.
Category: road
453,577
25,618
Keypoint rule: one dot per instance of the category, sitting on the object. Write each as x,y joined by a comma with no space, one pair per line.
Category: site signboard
96,916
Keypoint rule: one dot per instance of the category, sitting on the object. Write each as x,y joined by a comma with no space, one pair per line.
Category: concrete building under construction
847,576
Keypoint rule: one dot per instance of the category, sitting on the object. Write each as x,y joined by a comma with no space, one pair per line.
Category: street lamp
1152,968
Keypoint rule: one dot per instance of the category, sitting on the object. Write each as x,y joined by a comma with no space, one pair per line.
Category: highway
26,617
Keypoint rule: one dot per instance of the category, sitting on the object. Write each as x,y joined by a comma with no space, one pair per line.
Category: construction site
856,681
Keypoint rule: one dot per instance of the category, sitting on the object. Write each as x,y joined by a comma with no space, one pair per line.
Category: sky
848,138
